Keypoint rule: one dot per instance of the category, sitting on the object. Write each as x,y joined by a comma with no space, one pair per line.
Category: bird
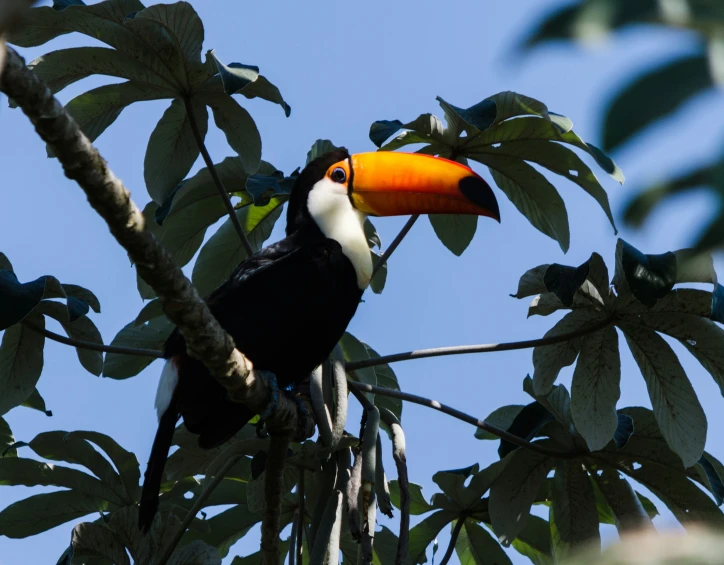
287,305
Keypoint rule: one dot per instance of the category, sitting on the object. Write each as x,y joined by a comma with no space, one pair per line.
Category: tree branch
399,454
435,405
482,348
395,243
273,486
205,338
90,345
215,177
453,540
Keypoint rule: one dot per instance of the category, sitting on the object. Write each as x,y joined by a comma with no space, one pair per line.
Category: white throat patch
329,206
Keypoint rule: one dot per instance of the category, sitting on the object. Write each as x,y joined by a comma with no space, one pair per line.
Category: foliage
506,132
575,453
656,94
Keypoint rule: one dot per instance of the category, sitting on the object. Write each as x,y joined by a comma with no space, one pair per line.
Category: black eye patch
339,175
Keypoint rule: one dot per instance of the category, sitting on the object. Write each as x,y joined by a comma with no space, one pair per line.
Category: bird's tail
154,471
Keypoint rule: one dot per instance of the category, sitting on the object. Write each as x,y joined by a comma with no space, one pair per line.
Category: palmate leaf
21,362
645,303
506,132
158,50
475,546
151,335
224,251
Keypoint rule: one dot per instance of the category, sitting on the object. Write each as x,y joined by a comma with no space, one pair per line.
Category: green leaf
104,19
197,205
152,335
422,534
172,148
501,418
573,514
474,119
36,514
99,540
83,294
648,277
475,546
18,300
72,448
238,126
532,282
595,388
98,108
262,88
628,511
151,310
7,439
526,424
226,528
64,67
548,360
418,503
641,205
82,329
534,541
184,23
533,196
21,362
125,462
676,407
564,281
554,157
5,264
382,130
223,252
234,76
649,97
702,338
256,558
36,402
512,494
455,231
319,148
195,553
711,471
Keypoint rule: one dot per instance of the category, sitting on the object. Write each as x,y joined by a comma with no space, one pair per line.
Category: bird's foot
305,421
273,404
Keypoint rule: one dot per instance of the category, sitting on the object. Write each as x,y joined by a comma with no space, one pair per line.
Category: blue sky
342,66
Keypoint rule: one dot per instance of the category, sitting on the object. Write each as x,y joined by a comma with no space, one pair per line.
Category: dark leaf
36,402
624,429
418,504
649,277
573,514
475,546
99,540
526,424
172,148
455,231
7,439
565,281
238,126
423,534
21,362
319,148
18,300
650,97
36,514
152,335
382,130
716,486
501,418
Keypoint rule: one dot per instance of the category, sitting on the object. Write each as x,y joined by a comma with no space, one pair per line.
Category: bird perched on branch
287,305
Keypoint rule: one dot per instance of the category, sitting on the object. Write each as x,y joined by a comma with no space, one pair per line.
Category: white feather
166,386
329,206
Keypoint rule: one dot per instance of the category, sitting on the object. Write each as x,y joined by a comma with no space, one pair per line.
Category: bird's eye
339,175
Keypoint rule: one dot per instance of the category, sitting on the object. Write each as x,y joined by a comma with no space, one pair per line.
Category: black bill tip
479,193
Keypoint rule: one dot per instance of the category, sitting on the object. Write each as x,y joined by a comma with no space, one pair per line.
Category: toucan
287,305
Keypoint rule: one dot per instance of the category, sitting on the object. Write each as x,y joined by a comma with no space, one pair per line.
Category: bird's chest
294,329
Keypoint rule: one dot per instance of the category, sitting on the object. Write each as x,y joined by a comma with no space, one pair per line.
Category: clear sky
341,66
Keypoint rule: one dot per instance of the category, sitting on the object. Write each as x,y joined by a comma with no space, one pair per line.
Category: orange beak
402,184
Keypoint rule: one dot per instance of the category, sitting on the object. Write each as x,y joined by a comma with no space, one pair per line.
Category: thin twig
92,346
434,404
293,536
395,242
215,177
200,501
481,348
300,526
453,540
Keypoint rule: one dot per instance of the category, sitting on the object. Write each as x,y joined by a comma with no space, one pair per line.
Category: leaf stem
215,177
200,501
395,243
453,540
480,348
92,346
435,405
